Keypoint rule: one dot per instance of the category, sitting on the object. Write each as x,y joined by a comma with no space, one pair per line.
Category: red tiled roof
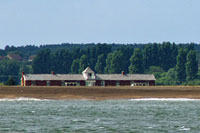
14,57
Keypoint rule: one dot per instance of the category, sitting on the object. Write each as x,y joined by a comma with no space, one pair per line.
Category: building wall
52,83
98,83
110,83
120,83
82,83
40,83
37,83
152,83
55,83
125,83
27,83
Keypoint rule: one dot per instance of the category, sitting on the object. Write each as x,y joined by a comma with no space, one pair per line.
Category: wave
165,99
22,99
140,99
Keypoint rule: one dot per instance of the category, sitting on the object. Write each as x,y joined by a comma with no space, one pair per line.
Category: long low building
87,78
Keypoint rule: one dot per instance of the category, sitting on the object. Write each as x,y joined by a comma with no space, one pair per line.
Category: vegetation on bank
172,64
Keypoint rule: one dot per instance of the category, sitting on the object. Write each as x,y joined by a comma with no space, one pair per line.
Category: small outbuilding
87,78
14,57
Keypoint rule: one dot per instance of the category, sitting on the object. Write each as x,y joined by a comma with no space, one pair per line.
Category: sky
38,22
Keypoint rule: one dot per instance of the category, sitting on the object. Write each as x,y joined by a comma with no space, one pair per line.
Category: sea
28,115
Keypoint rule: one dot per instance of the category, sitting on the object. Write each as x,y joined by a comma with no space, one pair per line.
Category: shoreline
139,99
100,93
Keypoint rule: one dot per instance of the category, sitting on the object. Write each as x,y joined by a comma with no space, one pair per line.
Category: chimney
53,73
123,73
22,73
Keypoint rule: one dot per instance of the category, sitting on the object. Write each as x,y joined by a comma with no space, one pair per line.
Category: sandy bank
101,93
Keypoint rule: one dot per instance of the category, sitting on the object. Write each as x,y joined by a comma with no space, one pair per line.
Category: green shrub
194,82
11,81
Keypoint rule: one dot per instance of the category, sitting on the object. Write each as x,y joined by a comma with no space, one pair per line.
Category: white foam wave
184,129
22,99
165,99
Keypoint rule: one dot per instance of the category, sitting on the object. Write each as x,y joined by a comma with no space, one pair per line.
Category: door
89,83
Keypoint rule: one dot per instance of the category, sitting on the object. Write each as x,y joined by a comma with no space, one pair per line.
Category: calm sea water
41,116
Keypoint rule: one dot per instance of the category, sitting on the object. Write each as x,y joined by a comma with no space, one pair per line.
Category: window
33,83
70,83
89,74
63,83
117,83
48,83
88,83
140,84
78,83
102,83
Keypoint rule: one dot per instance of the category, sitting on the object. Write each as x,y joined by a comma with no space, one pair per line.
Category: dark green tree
75,66
127,52
9,68
191,65
166,59
114,62
171,73
136,61
83,63
102,49
101,63
91,54
61,61
108,63
11,81
180,66
190,47
155,55
148,56
174,53
25,68
42,62
76,53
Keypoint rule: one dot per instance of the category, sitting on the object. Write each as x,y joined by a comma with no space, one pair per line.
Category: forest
172,64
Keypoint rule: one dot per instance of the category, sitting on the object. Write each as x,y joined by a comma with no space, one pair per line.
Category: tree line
172,64
103,59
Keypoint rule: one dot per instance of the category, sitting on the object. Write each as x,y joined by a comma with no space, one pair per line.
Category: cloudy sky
36,22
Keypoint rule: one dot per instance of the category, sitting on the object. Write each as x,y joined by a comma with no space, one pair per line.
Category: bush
166,81
10,82
194,82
